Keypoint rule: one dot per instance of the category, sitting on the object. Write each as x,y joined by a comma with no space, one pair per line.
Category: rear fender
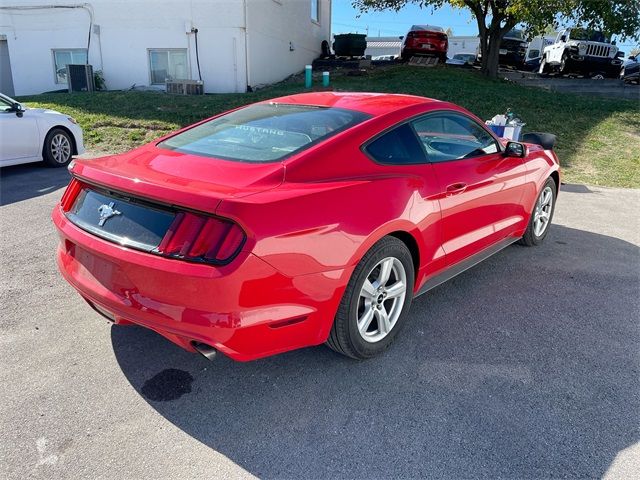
301,229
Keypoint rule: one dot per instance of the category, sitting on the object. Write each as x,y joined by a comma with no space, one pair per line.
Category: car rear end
142,240
425,41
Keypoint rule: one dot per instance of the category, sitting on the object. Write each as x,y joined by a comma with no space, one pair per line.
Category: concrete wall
276,26
124,31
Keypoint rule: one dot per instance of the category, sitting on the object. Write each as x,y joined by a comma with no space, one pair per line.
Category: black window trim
415,118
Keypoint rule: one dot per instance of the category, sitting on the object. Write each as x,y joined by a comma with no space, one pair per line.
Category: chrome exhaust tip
207,351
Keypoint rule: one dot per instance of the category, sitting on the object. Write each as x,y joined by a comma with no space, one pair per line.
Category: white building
240,43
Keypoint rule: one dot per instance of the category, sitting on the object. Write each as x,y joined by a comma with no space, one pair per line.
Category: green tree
496,17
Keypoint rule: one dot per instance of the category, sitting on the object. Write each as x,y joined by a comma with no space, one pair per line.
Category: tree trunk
492,60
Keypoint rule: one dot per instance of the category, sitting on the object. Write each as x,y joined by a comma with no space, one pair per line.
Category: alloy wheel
381,299
60,148
542,214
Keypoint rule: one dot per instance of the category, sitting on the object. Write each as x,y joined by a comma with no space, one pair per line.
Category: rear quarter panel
301,228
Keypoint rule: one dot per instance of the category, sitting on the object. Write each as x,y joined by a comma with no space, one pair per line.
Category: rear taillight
70,194
200,238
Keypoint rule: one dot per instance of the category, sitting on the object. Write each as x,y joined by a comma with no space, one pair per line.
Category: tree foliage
496,17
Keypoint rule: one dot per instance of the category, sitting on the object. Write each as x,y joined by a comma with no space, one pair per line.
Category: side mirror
17,108
563,38
613,42
515,149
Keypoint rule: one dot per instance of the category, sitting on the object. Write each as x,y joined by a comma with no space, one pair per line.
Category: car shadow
21,182
522,367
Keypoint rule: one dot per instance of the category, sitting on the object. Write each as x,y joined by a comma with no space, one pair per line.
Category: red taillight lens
196,237
70,194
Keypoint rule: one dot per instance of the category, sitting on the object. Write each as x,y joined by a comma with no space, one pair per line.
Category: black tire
57,150
530,238
544,66
345,337
563,69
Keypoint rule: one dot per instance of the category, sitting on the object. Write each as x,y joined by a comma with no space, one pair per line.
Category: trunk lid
173,178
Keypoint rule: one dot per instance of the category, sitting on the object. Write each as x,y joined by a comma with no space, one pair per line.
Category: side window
5,105
452,136
397,147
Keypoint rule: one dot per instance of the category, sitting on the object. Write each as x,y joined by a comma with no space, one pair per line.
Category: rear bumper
246,310
408,52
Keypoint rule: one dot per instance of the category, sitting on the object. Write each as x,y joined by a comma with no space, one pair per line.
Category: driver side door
19,137
480,189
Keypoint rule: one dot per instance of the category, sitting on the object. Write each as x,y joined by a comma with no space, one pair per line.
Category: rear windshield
264,132
428,28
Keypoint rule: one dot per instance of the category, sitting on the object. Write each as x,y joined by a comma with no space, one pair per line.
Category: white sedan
36,134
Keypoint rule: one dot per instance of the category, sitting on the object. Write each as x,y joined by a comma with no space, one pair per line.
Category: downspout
246,45
330,17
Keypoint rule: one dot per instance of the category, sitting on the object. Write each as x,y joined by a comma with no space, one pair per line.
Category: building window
168,64
62,58
315,11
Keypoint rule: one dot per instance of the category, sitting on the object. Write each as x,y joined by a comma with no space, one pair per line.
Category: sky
389,23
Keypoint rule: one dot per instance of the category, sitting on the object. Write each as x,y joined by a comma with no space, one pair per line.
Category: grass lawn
598,138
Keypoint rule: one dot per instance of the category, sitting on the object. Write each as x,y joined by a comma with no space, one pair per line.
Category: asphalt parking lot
526,366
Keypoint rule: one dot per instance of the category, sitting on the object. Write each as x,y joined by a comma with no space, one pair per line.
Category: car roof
375,104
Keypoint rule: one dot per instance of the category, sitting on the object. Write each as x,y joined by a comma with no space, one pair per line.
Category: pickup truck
512,49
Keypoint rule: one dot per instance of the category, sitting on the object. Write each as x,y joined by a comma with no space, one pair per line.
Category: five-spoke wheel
541,216
381,299
375,303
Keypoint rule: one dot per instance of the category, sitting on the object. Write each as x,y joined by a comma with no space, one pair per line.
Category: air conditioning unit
185,87
80,78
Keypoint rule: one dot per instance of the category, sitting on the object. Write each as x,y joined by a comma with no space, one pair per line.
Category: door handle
456,188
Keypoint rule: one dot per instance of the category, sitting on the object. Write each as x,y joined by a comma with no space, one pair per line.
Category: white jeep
578,50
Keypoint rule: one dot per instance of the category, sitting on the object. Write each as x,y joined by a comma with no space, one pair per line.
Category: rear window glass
263,133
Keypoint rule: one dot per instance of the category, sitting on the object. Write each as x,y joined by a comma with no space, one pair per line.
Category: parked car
425,40
581,51
630,72
533,54
512,49
36,134
462,59
308,219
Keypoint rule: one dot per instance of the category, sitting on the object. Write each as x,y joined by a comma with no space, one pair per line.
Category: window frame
499,146
415,118
316,20
167,50
55,65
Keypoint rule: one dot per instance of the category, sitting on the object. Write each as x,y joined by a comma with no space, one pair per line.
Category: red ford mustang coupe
307,219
